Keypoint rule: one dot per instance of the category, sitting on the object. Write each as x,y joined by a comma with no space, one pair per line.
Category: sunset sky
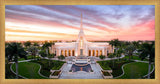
103,22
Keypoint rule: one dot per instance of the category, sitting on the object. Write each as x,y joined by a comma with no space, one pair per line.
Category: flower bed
55,74
106,74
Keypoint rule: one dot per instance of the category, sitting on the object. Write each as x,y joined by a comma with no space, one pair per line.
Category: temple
82,47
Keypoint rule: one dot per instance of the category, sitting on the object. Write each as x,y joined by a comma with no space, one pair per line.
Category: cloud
98,20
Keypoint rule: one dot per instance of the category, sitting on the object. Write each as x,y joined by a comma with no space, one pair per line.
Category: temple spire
81,29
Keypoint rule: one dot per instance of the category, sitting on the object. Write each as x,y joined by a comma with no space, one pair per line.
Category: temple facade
81,47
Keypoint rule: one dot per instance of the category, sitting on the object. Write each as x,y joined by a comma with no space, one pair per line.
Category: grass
135,58
114,65
8,73
28,70
135,70
28,57
54,65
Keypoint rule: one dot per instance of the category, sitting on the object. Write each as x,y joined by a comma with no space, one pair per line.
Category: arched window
69,52
65,52
62,52
97,53
93,53
100,52
73,53
89,53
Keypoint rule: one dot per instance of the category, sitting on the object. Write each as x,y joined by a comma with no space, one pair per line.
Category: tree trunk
129,57
149,68
113,63
49,62
16,69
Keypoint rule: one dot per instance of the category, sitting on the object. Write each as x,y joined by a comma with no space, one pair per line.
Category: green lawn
28,70
8,73
135,70
135,58
114,65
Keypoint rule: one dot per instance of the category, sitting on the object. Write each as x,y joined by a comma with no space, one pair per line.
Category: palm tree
119,52
43,53
136,44
13,51
50,56
46,46
147,50
130,49
112,55
33,51
115,42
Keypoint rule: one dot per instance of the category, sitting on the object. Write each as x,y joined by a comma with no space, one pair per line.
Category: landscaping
45,68
113,65
28,70
8,73
104,65
135,70
56,73
135,58
105,73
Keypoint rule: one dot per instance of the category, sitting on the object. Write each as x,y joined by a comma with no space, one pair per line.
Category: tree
27,44
129,50
13,51
147,50
50,56
115,42
102,57
43,53
33,51
36,44
119,52
112,55
46,46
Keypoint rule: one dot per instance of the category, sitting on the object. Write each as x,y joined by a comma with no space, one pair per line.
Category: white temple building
81,47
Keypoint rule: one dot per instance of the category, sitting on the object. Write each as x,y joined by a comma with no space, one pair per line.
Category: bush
70,70
43,53
111,55
102,57
61,57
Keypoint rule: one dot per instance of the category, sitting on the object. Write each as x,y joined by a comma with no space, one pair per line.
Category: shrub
111,55
61,57
91,70
102,57
70,70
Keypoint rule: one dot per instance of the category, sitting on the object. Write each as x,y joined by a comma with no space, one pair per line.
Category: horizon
104,22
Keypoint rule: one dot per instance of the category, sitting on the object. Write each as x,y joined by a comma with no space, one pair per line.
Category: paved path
81,74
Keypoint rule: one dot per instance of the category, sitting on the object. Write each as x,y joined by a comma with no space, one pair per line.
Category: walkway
81,74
